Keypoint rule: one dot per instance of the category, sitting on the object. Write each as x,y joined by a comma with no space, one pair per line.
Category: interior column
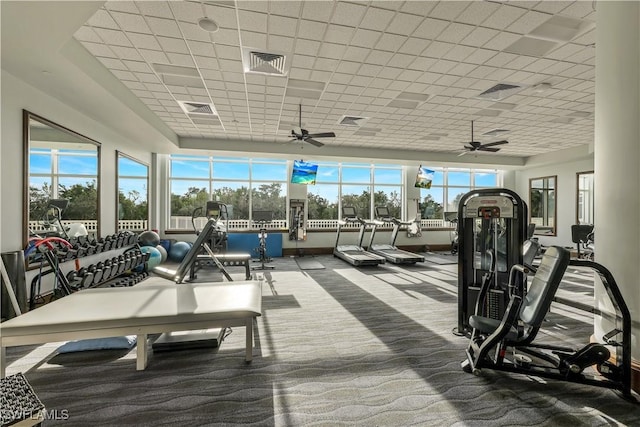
617,159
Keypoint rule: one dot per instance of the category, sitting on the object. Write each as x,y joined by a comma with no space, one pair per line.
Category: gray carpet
342,346
440,258
308,264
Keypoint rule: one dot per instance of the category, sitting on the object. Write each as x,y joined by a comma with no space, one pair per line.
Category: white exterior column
617,157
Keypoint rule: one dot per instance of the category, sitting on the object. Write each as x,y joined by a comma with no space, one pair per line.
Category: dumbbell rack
92,275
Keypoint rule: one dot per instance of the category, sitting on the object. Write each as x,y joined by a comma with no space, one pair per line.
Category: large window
353,184
448,185
244,185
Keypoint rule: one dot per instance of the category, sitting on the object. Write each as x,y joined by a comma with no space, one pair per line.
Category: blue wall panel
249,242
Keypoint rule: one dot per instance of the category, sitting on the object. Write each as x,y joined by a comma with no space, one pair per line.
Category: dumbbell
97,274
73,279
119,260
114,267
86,277
106,270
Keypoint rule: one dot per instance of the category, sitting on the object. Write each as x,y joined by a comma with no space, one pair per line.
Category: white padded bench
153,306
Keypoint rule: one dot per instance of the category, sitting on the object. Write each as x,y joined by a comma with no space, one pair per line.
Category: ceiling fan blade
313,142
470,147
493,150
322,135
491,144
462,154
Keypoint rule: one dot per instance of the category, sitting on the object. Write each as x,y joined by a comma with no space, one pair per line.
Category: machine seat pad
488,326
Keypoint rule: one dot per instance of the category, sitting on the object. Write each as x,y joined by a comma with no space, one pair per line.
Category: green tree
184,205
83,201
431,209
321,208
38,201
269,197
131,206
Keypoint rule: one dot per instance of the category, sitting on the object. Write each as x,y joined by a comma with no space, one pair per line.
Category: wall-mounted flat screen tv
304,173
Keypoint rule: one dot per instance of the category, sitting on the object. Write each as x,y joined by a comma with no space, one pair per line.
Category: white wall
565,195
16,96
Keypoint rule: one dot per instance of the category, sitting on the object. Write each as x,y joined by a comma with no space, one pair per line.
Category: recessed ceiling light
208,24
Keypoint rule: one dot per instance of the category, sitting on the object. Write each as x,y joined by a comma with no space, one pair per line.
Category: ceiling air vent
500,91
198,108
353,121
271,63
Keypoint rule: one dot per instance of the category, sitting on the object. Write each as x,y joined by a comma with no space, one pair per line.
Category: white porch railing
184,223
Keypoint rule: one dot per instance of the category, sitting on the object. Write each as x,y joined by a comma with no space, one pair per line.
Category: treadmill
390,252
354,254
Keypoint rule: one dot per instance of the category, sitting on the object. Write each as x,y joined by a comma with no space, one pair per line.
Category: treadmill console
382,212
349,212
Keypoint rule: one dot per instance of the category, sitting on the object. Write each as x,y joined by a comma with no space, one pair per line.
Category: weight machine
492,228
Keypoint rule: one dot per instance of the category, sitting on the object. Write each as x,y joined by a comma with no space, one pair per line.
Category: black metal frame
470,277
619,372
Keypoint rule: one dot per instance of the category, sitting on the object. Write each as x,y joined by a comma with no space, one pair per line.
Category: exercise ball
149,238
155,257
178,251
163,252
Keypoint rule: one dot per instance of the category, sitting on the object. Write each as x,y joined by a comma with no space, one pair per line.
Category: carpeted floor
341,346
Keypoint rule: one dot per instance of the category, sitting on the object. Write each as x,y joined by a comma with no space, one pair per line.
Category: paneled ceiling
404,75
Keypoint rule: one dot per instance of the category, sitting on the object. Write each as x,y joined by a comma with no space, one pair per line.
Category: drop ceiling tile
144,41
127,53
442,66
87,34
480,56
376,19
164,27
155,8
579,9
338,34
147,78
173,45
348,67
503,17
317,11
185,60
226,36
280,44
303,61
113,37
282,26
455,32
332,50
187,11
103,19
430,28
349,14
113,64
253,21
254,40
476,12
131,22
193,32
229,65
404,24
528,22
459,53
448,10
390,42
365,38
